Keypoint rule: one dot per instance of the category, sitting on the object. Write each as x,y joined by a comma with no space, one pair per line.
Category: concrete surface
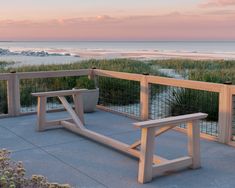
68,158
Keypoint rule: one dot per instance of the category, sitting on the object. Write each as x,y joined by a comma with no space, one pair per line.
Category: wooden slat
194,143
78,103
144,98
146,155
120,75
172,165
125,148
56,122
5,76
41,113
171,121
232,89
205,86
72,113
225,115
52,74
58,93
157,133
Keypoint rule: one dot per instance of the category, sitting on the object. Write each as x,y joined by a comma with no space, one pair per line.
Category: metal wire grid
28,86
233,117
3,97
168,101
119,95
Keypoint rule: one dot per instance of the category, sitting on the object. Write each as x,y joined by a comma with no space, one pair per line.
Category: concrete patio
68,158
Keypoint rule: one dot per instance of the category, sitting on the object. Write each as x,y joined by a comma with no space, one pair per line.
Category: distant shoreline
142,56
57,52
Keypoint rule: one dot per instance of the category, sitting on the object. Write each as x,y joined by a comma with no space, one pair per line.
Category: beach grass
190,101
112,91
216,71
123,92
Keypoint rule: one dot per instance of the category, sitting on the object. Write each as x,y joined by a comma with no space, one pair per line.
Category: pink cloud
217,3
173,26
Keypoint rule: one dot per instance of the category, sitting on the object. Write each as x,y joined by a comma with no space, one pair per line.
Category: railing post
144,98
225,115
13,95
93,77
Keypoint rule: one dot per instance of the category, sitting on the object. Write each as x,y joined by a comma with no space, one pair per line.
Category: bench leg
78,103
194,143
146,155
41,113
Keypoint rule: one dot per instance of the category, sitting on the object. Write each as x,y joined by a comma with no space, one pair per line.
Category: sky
137,20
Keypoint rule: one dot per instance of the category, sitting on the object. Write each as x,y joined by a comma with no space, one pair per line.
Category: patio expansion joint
55,157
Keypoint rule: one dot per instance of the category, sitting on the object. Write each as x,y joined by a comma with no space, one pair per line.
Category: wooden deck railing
226,92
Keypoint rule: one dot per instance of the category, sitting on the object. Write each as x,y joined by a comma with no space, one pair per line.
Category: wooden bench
150,165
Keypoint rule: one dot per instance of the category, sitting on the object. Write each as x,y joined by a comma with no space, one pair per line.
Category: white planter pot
90,100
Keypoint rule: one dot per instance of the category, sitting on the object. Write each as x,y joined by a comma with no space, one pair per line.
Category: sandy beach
34,53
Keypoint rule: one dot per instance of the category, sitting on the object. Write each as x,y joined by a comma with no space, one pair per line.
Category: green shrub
3,97
118,92
187,101
12,175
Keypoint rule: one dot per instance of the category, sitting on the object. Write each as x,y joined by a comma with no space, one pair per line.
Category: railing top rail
190,84
119,75
206,86
232,89
5,76
198,85
51,74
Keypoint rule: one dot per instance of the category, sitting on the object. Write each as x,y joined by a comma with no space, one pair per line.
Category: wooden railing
226,92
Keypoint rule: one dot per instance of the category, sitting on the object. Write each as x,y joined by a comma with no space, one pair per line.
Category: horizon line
193,40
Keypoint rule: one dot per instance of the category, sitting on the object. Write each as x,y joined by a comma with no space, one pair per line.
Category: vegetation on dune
12,175
190,101
112,91
121,65
217,71
122,92
182,64
187,101
3,64
216,76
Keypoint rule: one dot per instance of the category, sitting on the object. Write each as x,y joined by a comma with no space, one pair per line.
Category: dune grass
190,101
122,92
112,91
182,64
216,71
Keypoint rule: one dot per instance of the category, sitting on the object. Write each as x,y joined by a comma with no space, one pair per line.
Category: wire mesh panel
168,101
3,97
120,95
233,118
28,86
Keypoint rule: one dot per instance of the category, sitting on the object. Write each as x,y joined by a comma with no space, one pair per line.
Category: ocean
68,52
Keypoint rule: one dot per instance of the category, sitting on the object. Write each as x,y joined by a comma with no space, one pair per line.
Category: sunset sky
117,20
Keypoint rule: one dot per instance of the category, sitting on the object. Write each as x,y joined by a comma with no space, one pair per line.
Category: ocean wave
6,52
